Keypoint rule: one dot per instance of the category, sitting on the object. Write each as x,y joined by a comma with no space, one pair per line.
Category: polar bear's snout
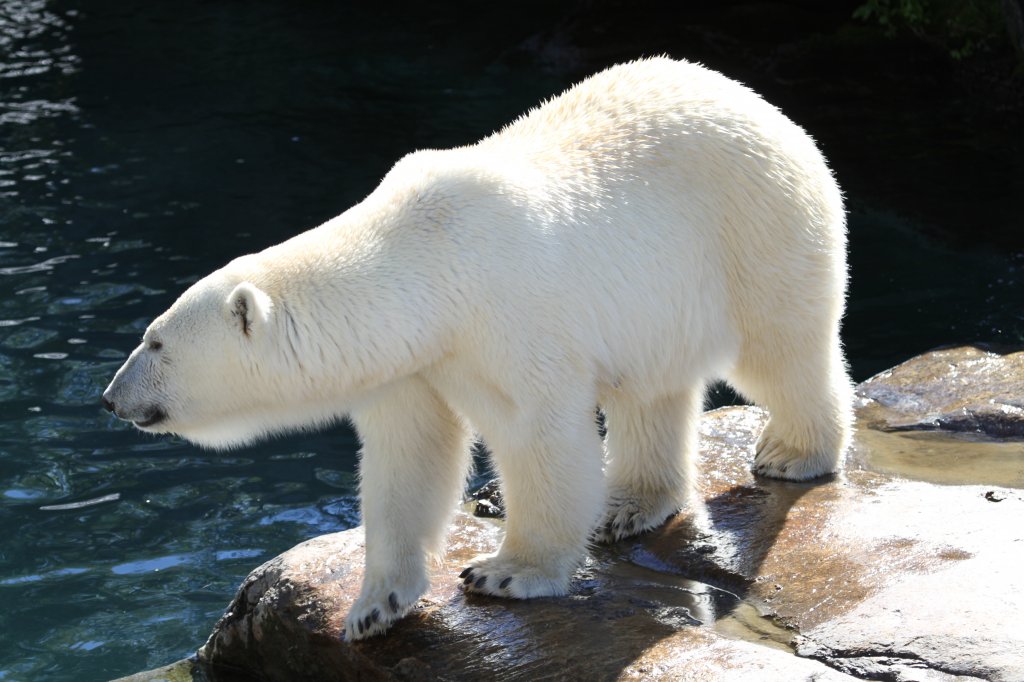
130,395
142,417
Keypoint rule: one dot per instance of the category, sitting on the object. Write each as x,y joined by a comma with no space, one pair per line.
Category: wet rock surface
968,389
186,670
865,575
488,502
629,617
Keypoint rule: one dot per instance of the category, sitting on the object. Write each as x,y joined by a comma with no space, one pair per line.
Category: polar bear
655,227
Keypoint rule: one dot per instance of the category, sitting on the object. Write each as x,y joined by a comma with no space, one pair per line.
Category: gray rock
488,501
973,389
950,416
186,670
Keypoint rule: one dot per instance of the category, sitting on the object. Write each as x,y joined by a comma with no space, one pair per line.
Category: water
143,145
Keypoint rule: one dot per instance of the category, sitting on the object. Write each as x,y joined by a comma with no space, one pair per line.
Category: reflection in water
36,52
112,497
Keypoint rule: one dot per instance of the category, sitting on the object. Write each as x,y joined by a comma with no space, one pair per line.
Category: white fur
653,228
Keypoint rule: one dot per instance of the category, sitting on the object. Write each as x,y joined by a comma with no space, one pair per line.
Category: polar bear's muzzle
150,416
133,393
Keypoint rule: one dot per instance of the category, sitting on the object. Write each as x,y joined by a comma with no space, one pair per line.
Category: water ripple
22,24
23,113
42,266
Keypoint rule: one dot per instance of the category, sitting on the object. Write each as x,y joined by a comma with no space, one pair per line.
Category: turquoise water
140,149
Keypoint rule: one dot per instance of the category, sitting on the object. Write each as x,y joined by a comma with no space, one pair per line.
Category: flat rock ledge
975,389
866,575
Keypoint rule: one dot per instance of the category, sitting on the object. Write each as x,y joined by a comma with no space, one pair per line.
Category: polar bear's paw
505,577
776,459
377,609
629,515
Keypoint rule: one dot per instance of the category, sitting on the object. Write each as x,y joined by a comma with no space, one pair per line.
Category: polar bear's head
209,369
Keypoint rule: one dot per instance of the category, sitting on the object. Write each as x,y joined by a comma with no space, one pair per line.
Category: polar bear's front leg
553,489
413,465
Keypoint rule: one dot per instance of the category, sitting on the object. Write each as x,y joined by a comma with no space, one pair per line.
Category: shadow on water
143,146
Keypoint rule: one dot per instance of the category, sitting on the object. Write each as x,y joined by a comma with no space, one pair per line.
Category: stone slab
973,389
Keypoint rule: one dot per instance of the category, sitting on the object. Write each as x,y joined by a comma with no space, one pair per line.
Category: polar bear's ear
249,307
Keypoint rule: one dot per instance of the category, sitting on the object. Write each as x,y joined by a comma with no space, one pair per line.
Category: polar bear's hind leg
802,379
651,447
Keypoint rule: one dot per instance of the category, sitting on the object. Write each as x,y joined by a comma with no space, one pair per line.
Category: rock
624,620
185,670
973,389
864,575
883,578
488,502
950,416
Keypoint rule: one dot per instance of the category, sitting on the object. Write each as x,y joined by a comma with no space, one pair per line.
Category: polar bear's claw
376,611
775,459
498,577
474,582
629,516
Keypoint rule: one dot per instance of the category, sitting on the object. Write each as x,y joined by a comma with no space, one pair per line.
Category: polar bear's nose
107,405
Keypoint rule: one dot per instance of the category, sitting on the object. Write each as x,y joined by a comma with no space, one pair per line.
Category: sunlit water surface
140,149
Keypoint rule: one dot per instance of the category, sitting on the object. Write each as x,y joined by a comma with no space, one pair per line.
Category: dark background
275,116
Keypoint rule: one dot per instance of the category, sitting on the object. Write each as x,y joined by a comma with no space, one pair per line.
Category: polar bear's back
643,105
632,98
664,128
654,218
660,176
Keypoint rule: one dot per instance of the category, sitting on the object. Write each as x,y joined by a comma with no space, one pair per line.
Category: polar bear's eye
154,345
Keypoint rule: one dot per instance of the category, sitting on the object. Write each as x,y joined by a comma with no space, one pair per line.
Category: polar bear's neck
368,296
